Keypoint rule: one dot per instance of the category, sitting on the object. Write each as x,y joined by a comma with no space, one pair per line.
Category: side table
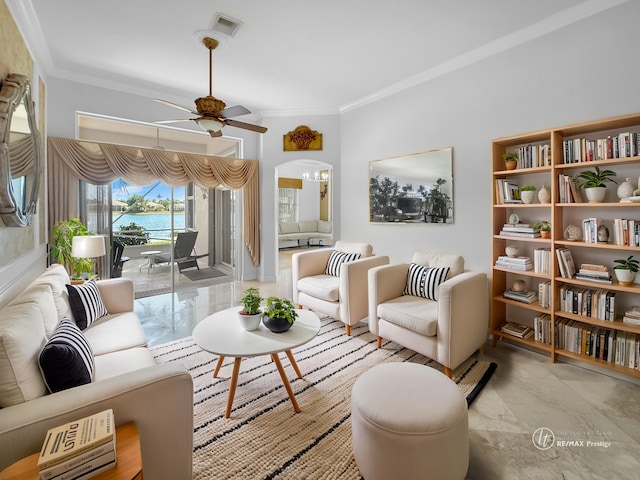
128,459
148,255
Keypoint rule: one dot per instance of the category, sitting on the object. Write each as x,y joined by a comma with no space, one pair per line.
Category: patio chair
183,252
118,261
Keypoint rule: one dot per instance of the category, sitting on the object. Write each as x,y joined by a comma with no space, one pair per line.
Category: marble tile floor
594,418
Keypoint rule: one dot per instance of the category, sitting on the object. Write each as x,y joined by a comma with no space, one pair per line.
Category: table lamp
88,246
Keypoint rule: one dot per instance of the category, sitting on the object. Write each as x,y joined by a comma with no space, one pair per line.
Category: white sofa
306,231
449,329
157,397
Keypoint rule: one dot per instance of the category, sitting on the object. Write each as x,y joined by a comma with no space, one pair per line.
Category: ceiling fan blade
175,105
234,111
173,121
246,126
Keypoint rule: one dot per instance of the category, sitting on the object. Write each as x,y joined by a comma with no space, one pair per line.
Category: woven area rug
265,438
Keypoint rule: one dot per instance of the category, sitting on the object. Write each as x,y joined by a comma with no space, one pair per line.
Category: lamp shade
87,246
209,124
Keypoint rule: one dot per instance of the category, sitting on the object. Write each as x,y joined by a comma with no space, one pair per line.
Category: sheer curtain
101,163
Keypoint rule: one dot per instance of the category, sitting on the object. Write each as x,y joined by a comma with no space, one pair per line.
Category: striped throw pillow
424,281
336,259
66,360
86,303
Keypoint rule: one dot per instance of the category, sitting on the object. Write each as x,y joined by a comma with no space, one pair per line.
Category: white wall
274,156
586,71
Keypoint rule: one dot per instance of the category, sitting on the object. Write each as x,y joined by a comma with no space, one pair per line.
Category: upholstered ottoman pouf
409,421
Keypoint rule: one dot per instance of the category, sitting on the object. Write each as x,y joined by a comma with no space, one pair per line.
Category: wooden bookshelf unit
560,154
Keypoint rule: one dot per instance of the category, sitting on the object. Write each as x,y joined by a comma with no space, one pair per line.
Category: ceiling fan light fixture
209,124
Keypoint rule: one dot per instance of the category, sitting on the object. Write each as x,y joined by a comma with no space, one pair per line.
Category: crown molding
539,29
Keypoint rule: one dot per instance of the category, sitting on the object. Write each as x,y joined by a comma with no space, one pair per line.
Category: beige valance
102,163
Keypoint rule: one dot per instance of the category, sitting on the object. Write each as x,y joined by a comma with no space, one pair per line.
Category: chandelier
317,177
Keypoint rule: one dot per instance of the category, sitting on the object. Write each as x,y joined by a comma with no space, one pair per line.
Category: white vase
528,196
250,322
625,277
595,194
544,195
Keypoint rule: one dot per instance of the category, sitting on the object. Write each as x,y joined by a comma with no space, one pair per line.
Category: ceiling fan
211,112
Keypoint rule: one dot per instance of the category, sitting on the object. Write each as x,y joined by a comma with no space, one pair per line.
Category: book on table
83,440
81,467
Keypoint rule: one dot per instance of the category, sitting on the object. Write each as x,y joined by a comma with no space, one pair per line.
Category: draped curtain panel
102,163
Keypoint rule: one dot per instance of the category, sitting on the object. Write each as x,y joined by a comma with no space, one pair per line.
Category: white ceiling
289,56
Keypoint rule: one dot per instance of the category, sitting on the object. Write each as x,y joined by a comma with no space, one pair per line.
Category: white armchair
343,297
448,329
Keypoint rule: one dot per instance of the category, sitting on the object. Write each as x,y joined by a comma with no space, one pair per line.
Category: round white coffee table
221,334
148,256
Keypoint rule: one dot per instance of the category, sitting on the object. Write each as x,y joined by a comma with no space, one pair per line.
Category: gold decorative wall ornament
302,138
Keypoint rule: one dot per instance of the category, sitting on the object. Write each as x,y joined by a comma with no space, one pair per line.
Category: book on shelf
520,229
82,468
632,316
544,294
595,278
626,232
507,192
528,296
593,267
69,440
542,260
521,266
517,330
518,225
542,328
569,190
565,263
507,233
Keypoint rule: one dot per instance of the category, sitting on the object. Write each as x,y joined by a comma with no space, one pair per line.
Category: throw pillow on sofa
424,281
21,339
336,259
66,360
86,303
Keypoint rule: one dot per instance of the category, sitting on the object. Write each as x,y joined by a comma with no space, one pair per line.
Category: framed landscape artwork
416,188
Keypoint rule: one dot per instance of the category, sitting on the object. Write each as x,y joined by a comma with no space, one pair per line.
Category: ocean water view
158,224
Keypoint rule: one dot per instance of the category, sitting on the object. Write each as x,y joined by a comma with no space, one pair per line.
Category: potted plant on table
279,314
544,227
528,193
595,182
61,242
250,314
626,270
510,160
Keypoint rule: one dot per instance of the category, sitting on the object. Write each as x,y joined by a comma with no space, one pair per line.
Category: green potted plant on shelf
510,160
544,227
250,314
595,183
528,193
626,269
61,242
279,314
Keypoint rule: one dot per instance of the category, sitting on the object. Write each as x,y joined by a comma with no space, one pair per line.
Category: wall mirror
19,152
416,188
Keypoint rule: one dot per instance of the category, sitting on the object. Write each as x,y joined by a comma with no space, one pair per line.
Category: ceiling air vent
225,25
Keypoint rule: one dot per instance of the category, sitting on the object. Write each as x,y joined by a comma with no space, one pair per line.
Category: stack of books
527,296
514,263
517,330
632,316
542,328
594,273
79,450
542,260
519,230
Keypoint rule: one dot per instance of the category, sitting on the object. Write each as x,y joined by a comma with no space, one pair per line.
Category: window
288,205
